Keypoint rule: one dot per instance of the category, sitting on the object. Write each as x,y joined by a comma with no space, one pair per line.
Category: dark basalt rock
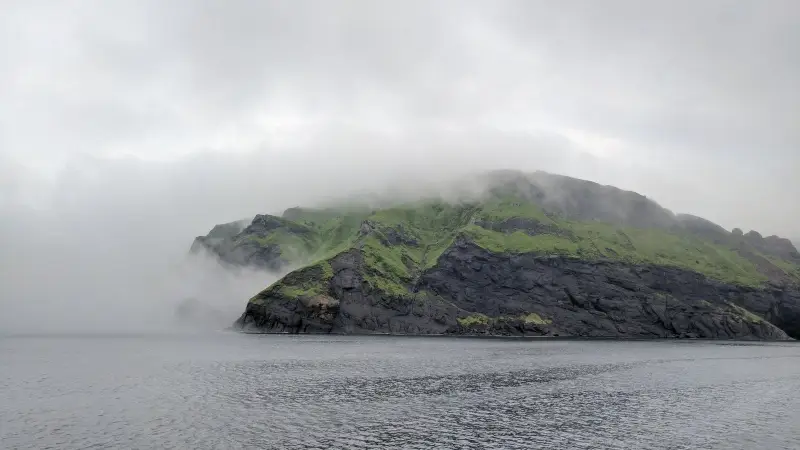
609,298
349,306
572,297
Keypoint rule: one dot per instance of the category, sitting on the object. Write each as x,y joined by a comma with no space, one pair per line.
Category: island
531,254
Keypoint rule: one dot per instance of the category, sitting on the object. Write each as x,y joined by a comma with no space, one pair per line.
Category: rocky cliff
535,254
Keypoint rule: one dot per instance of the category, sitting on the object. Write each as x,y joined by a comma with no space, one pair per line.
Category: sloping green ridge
311,235
398,244
596,240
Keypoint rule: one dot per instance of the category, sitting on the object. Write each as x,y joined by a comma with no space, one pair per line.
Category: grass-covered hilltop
531,254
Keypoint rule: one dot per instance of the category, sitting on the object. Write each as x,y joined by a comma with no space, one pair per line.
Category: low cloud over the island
127,128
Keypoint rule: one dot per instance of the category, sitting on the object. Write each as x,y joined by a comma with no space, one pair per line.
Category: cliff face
474,291
537,255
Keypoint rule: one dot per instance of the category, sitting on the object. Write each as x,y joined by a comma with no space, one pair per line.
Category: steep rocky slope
536,254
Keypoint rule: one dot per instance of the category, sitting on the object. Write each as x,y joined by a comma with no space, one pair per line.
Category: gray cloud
129,127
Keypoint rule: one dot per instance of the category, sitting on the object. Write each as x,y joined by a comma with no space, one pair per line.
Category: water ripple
241,392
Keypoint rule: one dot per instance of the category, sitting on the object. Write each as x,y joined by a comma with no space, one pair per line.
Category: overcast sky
132,126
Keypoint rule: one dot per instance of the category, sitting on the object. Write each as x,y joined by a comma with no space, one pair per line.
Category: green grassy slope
401,242
596,240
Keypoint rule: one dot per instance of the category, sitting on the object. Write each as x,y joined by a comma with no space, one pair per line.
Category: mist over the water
103,276
129,128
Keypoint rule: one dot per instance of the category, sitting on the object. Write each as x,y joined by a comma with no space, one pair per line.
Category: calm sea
235,391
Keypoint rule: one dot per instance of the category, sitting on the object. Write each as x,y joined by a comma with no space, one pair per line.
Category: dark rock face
608,298
349,306
568,298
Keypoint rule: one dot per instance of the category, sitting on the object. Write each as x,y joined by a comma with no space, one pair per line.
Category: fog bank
127,128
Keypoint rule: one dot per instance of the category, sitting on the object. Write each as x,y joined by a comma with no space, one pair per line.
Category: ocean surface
234,391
